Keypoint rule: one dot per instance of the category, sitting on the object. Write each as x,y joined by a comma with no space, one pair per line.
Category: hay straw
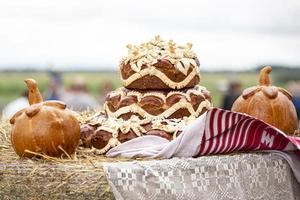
78,176
297,133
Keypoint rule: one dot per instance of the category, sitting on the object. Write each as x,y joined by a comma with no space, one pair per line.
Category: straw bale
78,177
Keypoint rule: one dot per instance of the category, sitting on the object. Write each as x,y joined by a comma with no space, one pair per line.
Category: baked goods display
161,96
159,65
44,127
149,105
271,104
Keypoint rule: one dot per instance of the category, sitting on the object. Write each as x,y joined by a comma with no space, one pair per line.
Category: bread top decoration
158,64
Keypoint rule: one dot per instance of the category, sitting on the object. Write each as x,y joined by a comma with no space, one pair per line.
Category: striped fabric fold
227,132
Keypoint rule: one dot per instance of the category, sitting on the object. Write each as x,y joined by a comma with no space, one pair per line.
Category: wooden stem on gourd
34,95
264,79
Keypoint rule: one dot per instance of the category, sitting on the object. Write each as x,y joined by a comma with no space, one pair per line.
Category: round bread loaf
124,103
159,65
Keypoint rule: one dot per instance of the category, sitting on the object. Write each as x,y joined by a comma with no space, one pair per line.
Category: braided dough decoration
112,142
122,102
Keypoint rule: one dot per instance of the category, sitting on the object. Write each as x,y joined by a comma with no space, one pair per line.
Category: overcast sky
227,34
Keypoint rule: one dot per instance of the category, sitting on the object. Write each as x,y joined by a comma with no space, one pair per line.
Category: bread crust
124,103
163,75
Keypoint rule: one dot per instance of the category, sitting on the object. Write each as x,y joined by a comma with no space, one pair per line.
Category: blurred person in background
55,88
233,92
16,105
294,89
54,91
77,97
104,90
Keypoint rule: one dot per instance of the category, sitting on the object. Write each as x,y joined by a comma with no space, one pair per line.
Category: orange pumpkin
44,127
268,103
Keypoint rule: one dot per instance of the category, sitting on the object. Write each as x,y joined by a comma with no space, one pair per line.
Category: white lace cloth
239,176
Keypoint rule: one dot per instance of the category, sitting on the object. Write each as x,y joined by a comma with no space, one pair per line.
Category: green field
12,85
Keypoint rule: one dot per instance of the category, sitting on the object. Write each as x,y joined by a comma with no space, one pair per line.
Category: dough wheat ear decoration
44,127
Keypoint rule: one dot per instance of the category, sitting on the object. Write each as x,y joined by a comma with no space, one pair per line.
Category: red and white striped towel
217,132
227,132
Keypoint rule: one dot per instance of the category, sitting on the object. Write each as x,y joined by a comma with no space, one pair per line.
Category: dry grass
297,133
78,177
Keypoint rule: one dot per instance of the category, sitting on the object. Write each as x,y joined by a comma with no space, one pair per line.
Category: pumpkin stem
264,78
34,95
